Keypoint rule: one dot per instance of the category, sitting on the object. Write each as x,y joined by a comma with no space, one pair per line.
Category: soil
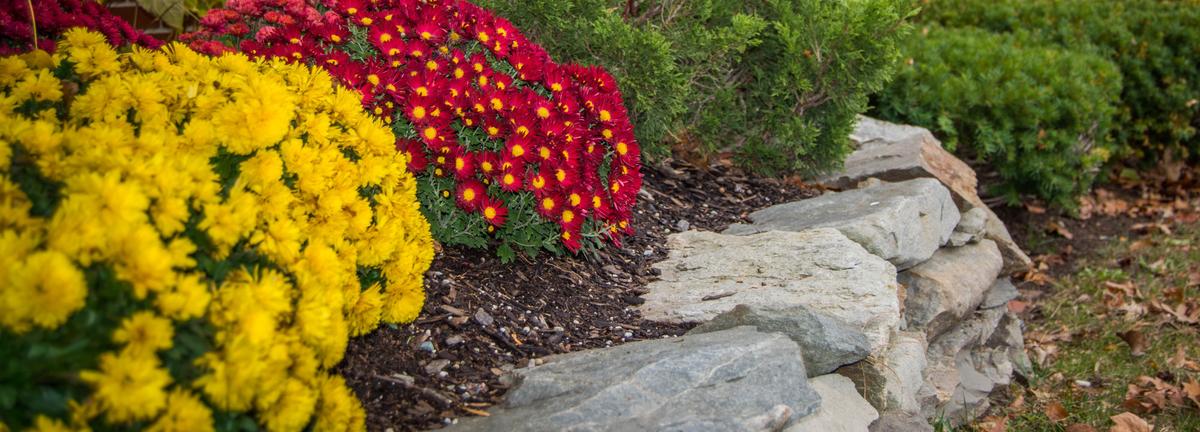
483,318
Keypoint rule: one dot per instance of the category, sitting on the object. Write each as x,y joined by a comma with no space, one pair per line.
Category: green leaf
170,12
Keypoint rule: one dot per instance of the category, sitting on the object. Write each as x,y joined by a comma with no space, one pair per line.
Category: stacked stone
881,307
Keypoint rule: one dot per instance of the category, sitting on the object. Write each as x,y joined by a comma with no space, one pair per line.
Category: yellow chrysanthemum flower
43,290
129,386
144,333
224,190
184,413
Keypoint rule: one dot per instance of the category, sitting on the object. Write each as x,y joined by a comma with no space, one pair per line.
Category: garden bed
449,362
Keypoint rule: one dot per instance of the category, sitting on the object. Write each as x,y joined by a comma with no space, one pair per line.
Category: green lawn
1090,373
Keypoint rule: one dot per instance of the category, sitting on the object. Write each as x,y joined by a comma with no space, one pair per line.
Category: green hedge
777,82
1041,115
1156,44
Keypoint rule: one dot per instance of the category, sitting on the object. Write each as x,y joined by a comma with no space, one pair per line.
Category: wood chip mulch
483,318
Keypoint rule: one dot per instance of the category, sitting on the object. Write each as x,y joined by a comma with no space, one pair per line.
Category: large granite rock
893,380
903,222
707,274
827,342
731,380
951,284
894,152
842,409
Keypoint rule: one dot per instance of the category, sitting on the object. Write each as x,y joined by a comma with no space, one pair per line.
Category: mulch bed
483,318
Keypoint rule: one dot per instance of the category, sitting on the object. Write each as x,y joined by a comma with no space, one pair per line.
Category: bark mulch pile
483,318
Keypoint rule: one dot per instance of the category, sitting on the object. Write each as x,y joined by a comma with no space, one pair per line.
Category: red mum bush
510,147
55,17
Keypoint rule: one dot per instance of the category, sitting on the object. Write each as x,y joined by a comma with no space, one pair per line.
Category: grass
1095,353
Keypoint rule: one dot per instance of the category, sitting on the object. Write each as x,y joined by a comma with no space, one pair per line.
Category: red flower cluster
478,102
55,17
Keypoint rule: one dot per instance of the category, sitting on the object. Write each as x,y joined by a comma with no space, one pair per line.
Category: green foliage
1155,43
778,82
1041,115
810,77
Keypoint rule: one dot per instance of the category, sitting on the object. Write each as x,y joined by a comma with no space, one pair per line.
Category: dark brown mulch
482,317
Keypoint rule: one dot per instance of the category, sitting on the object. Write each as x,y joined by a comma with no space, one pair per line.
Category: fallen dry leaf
1152,394
1137,342
1080,427
1017,306
993,424
1059,229
1192,390
1180,360
1056,412
1129,422
1017,403
1140,244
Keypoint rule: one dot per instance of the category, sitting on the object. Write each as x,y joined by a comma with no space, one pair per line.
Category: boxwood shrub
1041,115
1155,43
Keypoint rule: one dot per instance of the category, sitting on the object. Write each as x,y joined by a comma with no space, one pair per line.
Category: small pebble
436,366
683,225
648,252
628,335
483,318
426,346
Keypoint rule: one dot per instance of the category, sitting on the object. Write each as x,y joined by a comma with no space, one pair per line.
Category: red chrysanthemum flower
493,211
470,194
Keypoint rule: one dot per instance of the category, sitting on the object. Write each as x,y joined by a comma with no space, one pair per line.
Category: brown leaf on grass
1129,422
1056,412
1140,244
1151,394
1193,278
1017,403
1080,427
1034,208
1057,228
1137,341
1180,360
1038,278
1185,313
993,424
1191,389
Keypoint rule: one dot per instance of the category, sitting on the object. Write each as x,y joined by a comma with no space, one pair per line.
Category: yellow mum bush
188,242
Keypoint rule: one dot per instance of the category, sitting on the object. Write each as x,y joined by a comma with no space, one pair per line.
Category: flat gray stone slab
895,152
842,409
732,380
903,222
707,274
949,286
828,342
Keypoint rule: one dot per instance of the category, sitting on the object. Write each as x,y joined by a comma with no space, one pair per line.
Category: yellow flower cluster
255,196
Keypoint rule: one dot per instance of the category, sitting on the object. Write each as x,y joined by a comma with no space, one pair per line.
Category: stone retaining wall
882,307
